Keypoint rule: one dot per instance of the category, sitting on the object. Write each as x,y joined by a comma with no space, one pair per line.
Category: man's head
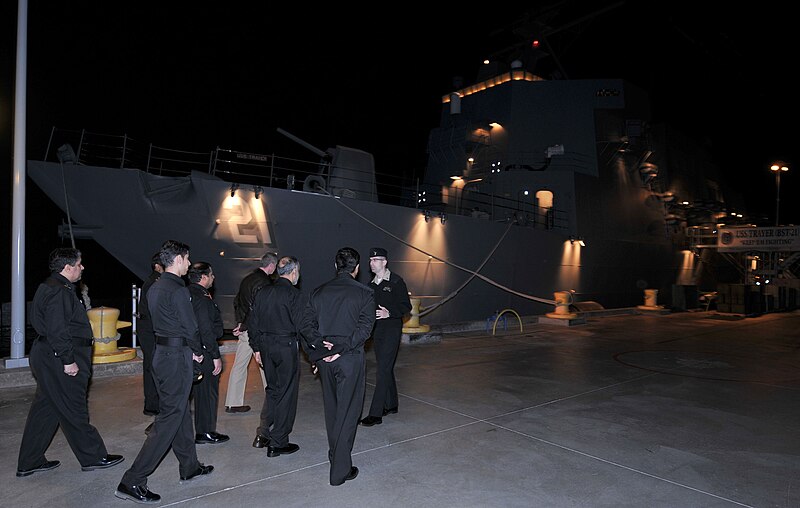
377,260
155,263
268,262
201,273
66,262
289,269
347,260
174,257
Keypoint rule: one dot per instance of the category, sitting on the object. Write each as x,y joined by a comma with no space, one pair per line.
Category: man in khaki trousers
251,284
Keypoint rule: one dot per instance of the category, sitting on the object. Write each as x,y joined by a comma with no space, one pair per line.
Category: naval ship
533,187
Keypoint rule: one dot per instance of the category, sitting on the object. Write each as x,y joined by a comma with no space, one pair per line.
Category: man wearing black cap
391,297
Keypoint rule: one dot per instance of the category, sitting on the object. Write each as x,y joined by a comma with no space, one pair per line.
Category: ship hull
130,213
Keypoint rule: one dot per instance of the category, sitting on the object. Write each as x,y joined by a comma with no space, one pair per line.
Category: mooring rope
473,273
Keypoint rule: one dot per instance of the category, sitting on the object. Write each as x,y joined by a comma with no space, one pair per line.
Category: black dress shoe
260,442
390,411
210,438
198,472
237,409
351,476
137,494
47,466
107,461
274,451
148,428
369,421
150,412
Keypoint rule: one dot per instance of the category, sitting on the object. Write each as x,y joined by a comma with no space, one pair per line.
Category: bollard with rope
563,300
104,329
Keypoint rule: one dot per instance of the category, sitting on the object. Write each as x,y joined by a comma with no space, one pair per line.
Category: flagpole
17,358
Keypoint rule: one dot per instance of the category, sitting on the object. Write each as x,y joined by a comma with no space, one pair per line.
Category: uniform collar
63,280
386,275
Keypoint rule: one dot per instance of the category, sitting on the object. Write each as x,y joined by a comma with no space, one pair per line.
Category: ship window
544,198
544,210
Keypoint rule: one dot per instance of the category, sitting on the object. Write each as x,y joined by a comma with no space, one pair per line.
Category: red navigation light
535,44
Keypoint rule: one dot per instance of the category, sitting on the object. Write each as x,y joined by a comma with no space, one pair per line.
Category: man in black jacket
391,296
345,312
177,346
237,378
61,362
209,321
147,339
277,322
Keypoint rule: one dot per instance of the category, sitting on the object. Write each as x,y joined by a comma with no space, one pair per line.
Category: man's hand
314,368
197,358
257,355
328,345
71,369
236,331
217,366
382,312
332,358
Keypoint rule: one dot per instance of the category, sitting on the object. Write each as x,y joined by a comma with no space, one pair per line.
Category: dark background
196,77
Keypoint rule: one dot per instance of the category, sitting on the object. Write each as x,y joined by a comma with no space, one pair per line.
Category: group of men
179,330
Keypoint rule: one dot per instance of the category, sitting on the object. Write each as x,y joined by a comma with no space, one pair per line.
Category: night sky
193,77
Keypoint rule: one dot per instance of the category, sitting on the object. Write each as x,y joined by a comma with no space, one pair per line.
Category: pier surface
691,409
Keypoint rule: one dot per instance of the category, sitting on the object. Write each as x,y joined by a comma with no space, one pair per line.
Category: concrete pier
688,409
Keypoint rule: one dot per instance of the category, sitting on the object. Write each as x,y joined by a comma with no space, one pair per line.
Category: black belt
171,341
78,341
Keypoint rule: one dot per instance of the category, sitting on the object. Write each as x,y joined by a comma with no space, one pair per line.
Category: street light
778,167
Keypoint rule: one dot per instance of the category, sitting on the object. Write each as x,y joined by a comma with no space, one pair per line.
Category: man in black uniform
276,322
209,321
147,340
61,361
177,346
391,296
345,312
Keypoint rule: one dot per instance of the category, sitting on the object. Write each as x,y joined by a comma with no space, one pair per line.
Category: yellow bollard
650,299
411,325
563,300
104,330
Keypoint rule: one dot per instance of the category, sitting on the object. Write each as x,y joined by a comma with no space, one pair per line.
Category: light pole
778,167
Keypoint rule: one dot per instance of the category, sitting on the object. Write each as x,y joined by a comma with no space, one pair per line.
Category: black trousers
343,397
205,394
60,400
147,340
172,369
386,341
280,358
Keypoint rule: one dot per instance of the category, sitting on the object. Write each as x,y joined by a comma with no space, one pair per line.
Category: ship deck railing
254,170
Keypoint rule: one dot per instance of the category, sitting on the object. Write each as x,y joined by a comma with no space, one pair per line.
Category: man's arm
253,322
203,307
182,303
57,313
366,320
